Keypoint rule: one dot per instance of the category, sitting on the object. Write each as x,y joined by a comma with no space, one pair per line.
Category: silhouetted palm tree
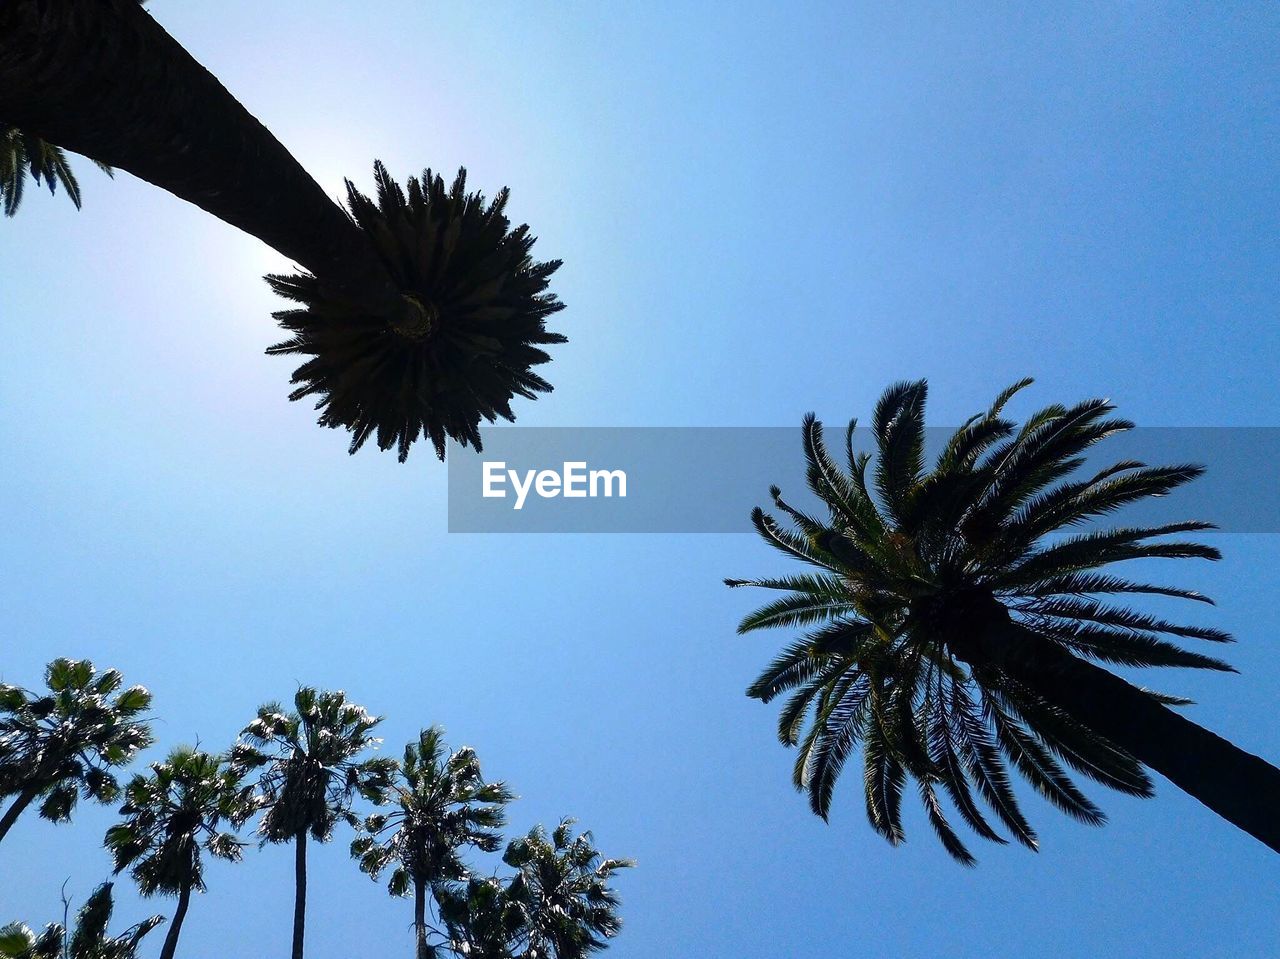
956,614
65,743
173,815
422,314
310,773
89,937
562,888
443,807
22,154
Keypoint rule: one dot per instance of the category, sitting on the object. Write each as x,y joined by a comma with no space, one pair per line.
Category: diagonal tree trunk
175,927
16,809
1237,785
102,78
299,892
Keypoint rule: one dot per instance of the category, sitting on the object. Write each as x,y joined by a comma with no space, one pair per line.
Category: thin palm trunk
420,918
102,78
300,892
175,927
25,798
1237,785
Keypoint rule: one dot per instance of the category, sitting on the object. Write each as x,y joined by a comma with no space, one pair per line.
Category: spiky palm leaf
23,154
482,310
905,558
59,745
442,807
90,938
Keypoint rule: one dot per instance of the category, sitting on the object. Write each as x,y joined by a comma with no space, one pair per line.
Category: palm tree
958,615
310,773
421,314
22,154
562,888
172,816
58,746
88,940
444,806
482,920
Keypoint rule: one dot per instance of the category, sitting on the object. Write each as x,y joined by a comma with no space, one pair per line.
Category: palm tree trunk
102,78
175,927
300,892
1237,785
420,919
19,806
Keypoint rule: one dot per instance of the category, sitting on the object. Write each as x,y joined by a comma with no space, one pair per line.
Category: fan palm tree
174,815
443,807
481,919
63,744
562,888
958,615
89,938
310,771
422,314
22,154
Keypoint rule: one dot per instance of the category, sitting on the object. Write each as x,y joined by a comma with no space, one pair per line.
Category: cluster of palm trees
957,616
301,773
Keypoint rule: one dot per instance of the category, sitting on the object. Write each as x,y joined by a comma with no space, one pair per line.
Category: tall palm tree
89,938
957,615
443,807
421,315
562,887
310,771
174,815
60,745
22,154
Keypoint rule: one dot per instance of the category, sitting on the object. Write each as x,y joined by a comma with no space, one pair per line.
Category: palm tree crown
443,806
481,307
911,561
67,742
310,770
562,888
174,814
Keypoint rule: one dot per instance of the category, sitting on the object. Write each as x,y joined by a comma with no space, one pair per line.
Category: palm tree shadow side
402,347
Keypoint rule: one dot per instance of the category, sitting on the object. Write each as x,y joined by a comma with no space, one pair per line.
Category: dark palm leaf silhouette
22,154
59,745
442,807
482,308
310,771
954,615
173,816
89,938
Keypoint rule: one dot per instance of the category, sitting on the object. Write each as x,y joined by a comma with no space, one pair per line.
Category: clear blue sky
762,211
